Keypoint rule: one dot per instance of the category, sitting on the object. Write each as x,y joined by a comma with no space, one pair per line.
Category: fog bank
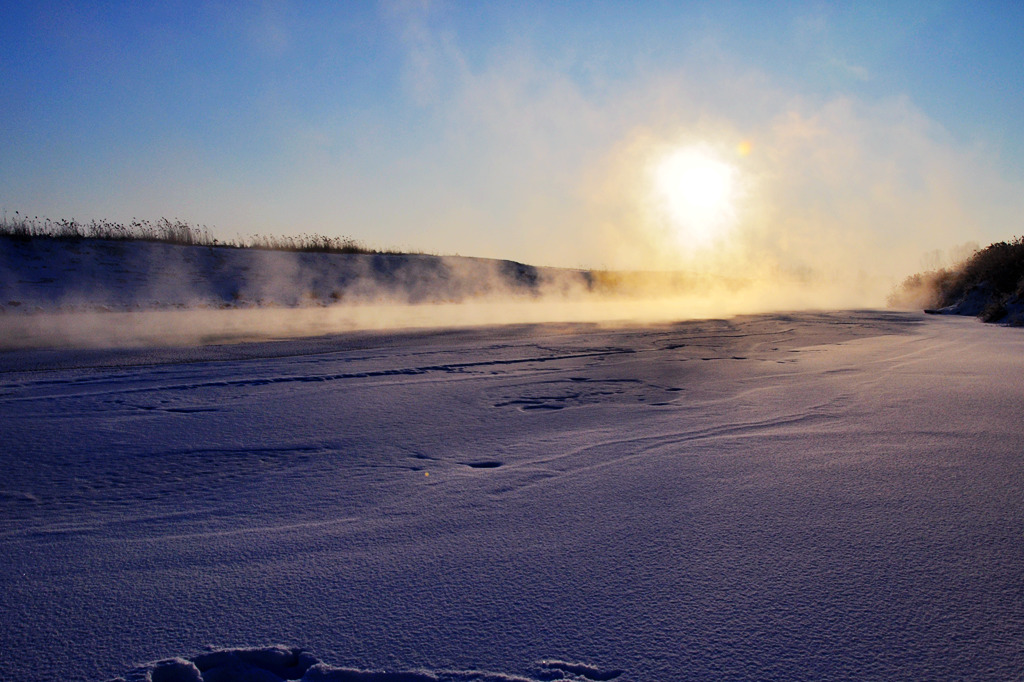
56,293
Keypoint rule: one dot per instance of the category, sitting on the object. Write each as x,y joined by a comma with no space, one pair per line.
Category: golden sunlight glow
697,193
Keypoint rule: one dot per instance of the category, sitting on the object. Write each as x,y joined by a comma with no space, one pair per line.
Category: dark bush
999,266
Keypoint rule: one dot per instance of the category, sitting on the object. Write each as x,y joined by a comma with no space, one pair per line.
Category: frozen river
777,497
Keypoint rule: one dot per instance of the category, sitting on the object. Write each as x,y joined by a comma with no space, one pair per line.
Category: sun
696,192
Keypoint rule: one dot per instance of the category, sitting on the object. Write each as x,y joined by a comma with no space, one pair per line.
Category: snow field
778,497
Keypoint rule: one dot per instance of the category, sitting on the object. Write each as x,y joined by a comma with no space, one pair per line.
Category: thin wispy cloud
845,184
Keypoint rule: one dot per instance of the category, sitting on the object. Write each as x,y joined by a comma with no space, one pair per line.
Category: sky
807,137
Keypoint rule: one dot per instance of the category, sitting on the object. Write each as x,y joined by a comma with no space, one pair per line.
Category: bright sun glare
697,192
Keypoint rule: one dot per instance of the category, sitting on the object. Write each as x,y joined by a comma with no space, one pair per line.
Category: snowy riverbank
56,275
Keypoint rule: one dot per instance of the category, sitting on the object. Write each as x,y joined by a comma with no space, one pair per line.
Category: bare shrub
171,232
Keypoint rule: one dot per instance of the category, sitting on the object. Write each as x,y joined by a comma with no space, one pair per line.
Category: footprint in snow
281,664
485,464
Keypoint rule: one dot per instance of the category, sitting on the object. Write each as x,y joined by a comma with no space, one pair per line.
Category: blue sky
523,130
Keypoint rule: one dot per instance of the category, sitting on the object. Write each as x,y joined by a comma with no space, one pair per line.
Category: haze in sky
811,138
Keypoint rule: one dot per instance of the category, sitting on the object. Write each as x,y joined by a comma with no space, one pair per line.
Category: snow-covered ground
779,497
